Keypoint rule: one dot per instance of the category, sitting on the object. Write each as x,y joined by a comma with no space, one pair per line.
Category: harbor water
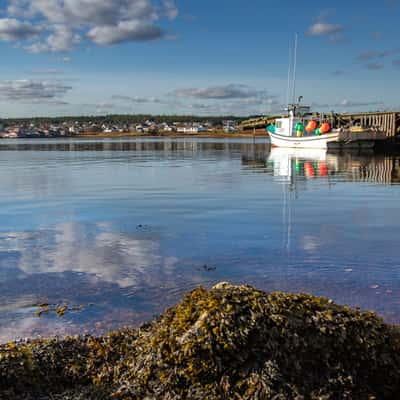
111,232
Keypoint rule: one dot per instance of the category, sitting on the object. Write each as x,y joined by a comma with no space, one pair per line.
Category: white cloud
48,71
334,32
137,99
31,91
374,66
323,29
125,31
64,24
229,99
13,30
170,9
375,54
349,103
368,55
230,91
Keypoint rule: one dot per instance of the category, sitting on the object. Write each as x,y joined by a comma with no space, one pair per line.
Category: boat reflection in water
307,163
297,165
293,167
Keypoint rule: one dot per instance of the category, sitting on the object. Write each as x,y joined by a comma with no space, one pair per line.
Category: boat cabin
287,125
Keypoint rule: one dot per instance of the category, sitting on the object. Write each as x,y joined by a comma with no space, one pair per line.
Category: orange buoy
322,168
325,128
311,126
309,170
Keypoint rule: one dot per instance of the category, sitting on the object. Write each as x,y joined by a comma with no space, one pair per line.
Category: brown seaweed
229,342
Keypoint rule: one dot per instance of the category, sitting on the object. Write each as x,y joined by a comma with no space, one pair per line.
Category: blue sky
209,57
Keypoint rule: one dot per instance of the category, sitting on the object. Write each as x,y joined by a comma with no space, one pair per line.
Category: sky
93,57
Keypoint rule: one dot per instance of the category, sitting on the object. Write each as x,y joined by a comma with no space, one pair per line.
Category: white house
191,129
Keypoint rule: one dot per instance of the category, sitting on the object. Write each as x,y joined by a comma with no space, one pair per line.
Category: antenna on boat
288,78
294,68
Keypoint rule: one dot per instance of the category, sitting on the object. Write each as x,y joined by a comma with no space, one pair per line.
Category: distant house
10,135
139,128
194,129
111,129
167,128
230,128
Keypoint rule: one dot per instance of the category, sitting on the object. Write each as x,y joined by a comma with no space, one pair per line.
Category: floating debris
374,286
229,342
143,227
207,268
60,310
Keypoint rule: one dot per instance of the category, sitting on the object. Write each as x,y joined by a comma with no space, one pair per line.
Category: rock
224,343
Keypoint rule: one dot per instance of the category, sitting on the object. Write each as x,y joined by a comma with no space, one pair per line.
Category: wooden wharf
387,122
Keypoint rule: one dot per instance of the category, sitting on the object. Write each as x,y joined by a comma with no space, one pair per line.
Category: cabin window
278,124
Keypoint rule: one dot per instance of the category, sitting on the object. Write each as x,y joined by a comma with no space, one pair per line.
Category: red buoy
311,126
322,168
309,170
325,127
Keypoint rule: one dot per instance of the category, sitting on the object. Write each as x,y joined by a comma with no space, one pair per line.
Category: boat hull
305,142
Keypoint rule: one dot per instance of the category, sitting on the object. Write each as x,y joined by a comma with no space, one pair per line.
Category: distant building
167,128
229,129
193,129
139,128
229,126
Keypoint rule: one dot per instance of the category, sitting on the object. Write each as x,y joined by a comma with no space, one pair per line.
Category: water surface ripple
120,229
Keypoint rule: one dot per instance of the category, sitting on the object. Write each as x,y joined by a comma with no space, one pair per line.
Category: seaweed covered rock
224,343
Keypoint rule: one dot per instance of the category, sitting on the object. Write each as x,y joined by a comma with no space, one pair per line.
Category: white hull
304,142
278,154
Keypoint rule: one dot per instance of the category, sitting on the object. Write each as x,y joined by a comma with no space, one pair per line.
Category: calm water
119,230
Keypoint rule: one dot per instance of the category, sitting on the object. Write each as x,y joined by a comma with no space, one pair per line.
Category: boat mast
289,78
294,68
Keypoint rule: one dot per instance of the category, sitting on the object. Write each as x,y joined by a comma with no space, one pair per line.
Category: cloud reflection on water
123,274
76,247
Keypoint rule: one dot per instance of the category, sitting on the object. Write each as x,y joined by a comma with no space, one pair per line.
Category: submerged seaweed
229,342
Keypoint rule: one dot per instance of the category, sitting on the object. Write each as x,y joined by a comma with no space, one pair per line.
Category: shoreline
212,135
174,135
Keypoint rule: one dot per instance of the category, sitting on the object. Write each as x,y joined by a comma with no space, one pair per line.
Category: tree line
118,119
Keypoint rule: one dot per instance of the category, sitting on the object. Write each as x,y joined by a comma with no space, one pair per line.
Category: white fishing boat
306,130
301,128
301,131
